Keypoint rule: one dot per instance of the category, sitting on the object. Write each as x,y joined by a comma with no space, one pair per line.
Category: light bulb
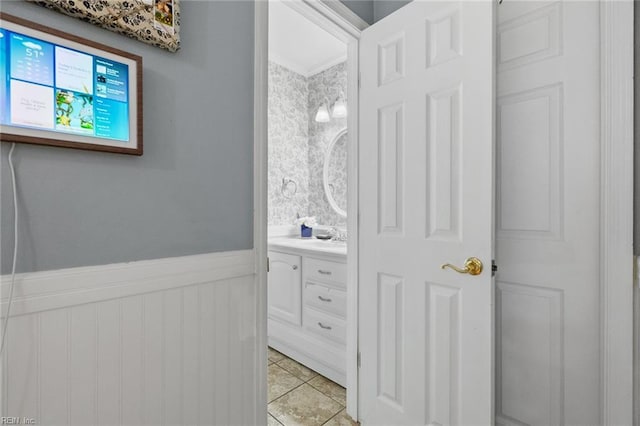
339,109
322,116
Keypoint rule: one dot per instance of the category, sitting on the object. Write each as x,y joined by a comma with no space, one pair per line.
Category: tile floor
300,396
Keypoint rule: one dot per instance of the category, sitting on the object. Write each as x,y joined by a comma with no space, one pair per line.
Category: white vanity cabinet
325,299
317,337
284,290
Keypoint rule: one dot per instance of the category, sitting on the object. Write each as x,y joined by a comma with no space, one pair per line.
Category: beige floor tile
304,406
274,356
271,421
329,388
280,382
341,419
300,371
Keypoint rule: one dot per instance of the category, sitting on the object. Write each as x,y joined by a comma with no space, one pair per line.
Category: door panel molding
536,191
537,340
391,168
391,59
543,30
445,38
445,323
444,152
390,340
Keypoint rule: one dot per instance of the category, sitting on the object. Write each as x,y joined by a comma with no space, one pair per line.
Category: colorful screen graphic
50,87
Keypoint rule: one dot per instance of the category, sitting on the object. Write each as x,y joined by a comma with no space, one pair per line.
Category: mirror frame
325,174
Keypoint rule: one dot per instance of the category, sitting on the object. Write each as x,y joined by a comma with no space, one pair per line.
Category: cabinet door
285,288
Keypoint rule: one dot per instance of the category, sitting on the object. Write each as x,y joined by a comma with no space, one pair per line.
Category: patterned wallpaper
297,143
288,134
325,86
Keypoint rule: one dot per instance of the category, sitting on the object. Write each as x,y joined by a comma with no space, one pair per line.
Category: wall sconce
322,116
339,110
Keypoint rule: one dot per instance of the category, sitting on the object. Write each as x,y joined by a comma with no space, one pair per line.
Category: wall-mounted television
62,90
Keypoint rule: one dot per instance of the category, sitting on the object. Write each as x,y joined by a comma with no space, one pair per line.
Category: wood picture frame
94,102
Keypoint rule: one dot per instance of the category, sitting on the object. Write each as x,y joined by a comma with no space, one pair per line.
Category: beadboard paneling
169,341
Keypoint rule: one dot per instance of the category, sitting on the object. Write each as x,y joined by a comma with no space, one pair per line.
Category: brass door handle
472,266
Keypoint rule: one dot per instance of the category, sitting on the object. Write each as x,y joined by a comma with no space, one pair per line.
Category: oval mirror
335,173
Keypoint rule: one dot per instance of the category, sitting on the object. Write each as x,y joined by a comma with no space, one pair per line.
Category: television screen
67,91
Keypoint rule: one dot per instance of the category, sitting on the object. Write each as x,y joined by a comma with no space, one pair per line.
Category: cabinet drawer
325,299
325,271
328,326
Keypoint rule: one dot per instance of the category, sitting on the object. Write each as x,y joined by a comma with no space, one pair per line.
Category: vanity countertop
309,245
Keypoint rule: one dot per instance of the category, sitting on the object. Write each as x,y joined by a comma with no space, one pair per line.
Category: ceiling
300,45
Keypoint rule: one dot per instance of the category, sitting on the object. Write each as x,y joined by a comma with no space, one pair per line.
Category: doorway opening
519,224
311,210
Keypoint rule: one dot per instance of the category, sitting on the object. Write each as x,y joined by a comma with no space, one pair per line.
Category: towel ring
286,190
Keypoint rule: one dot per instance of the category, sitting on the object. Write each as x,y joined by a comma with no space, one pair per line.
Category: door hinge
494,267
268,264
359,361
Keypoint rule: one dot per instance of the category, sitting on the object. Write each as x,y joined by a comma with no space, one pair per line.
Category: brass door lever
472,266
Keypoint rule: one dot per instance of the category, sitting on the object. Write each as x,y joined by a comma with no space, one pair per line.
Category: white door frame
338,20
616,207
616,189
260,192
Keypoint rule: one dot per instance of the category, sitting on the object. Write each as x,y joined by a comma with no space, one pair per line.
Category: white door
548,163
426,199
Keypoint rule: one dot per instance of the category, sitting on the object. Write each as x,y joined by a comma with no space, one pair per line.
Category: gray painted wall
374,10
382,8
192,190
362,8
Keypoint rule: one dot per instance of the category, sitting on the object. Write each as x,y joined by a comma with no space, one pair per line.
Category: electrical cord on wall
15,246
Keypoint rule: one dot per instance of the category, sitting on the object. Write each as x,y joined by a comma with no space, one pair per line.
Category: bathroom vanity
307,300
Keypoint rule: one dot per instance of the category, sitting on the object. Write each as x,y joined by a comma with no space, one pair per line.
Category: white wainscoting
168,341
